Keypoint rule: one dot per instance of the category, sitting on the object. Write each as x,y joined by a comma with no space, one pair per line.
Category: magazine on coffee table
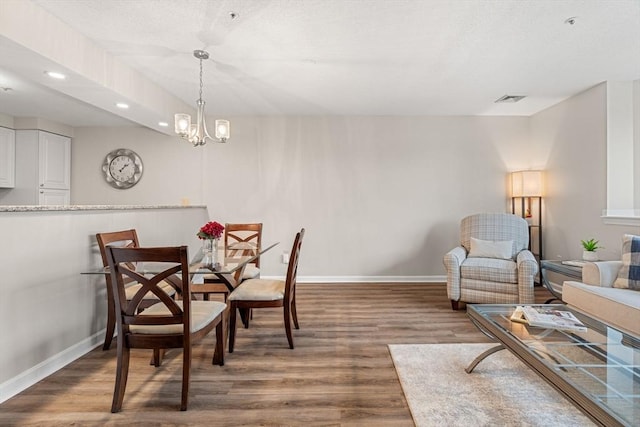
547,318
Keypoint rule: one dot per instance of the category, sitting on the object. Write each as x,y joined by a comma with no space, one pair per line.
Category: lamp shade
526,184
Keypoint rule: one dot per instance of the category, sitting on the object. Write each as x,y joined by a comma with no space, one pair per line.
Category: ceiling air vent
510,98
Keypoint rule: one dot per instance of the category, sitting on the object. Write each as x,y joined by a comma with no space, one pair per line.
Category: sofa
597,296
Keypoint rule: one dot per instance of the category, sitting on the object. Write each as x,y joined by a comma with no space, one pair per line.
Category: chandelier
197,133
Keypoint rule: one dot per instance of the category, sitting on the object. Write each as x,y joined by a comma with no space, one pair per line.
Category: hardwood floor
340,372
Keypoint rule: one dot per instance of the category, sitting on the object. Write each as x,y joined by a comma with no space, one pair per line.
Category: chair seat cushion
259,290
133,289
251,272
202,313
490,270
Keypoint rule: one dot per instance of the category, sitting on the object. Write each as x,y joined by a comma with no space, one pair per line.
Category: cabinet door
53,197
54,161
7,157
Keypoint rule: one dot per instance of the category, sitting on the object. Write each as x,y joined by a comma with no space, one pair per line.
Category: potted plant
590,247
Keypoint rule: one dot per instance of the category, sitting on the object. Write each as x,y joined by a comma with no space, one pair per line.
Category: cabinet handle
41,191
42,185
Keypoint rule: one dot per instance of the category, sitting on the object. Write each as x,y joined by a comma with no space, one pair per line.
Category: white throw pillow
490,249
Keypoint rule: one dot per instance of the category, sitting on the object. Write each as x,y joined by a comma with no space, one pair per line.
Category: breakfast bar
45,249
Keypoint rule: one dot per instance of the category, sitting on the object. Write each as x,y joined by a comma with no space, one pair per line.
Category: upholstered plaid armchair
492,265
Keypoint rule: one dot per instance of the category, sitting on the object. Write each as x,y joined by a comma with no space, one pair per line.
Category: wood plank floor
340,372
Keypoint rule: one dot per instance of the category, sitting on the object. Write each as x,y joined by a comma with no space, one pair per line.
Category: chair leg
156,359
186,371
455,305
287,324
218,354
111,321
232,326
122,372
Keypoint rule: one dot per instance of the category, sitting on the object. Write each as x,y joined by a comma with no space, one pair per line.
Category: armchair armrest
601,273
454,257
527,263
452,261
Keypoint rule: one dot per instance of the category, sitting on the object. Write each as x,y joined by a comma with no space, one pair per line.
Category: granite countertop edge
35,208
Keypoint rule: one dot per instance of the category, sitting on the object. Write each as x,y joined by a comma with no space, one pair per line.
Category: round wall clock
122,168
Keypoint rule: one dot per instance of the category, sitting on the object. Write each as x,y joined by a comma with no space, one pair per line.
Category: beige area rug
501,391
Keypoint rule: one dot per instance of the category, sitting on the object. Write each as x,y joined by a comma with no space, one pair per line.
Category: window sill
621,217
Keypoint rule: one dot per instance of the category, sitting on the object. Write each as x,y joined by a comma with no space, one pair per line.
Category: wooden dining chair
128,239
260,293
239,240
244,240
168,324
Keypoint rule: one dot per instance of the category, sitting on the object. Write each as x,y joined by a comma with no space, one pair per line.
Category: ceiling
309,57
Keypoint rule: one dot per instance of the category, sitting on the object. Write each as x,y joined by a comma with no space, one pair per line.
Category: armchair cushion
490,270
491,249
629,274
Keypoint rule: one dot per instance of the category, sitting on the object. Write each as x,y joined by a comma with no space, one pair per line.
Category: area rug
501,391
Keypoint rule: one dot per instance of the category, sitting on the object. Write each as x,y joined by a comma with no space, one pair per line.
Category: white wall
573,137
172,168
380,197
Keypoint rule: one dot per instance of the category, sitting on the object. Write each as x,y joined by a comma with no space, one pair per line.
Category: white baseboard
26,379
365,279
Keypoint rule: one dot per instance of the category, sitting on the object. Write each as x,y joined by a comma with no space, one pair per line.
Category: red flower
211,230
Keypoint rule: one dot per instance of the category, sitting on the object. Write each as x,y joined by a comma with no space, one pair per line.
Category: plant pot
589,256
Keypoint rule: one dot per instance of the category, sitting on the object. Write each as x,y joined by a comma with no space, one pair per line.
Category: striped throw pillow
629,274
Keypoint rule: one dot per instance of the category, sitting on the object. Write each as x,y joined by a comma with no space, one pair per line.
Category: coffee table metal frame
528,343
571,271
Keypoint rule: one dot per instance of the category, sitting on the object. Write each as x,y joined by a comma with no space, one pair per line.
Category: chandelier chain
200,79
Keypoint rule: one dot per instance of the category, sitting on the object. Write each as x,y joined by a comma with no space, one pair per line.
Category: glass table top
225,264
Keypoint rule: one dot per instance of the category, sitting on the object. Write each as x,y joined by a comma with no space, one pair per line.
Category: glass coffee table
597,370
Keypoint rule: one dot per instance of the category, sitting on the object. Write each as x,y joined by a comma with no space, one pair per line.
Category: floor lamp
527,188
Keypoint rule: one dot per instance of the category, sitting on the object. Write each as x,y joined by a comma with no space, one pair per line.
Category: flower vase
209,251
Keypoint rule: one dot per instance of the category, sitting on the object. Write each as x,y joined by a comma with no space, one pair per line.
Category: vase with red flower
210,233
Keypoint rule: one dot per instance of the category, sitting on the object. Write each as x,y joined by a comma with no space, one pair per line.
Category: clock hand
124,167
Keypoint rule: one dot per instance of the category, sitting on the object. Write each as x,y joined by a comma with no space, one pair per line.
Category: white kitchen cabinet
43,163
54,161
53,197
7,157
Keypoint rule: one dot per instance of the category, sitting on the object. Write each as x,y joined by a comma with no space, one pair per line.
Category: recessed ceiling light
571,20
122,105
163,124
510,98
55,75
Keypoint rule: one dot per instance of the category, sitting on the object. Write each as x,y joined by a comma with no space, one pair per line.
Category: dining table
222,276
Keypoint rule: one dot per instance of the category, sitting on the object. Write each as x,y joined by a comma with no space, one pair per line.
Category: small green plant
590,245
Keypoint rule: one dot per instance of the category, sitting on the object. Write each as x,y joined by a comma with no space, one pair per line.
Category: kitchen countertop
37,208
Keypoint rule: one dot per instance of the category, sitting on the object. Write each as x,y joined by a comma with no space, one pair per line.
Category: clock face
122,168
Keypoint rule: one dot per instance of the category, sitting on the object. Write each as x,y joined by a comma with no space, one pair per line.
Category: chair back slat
122,239
243,240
